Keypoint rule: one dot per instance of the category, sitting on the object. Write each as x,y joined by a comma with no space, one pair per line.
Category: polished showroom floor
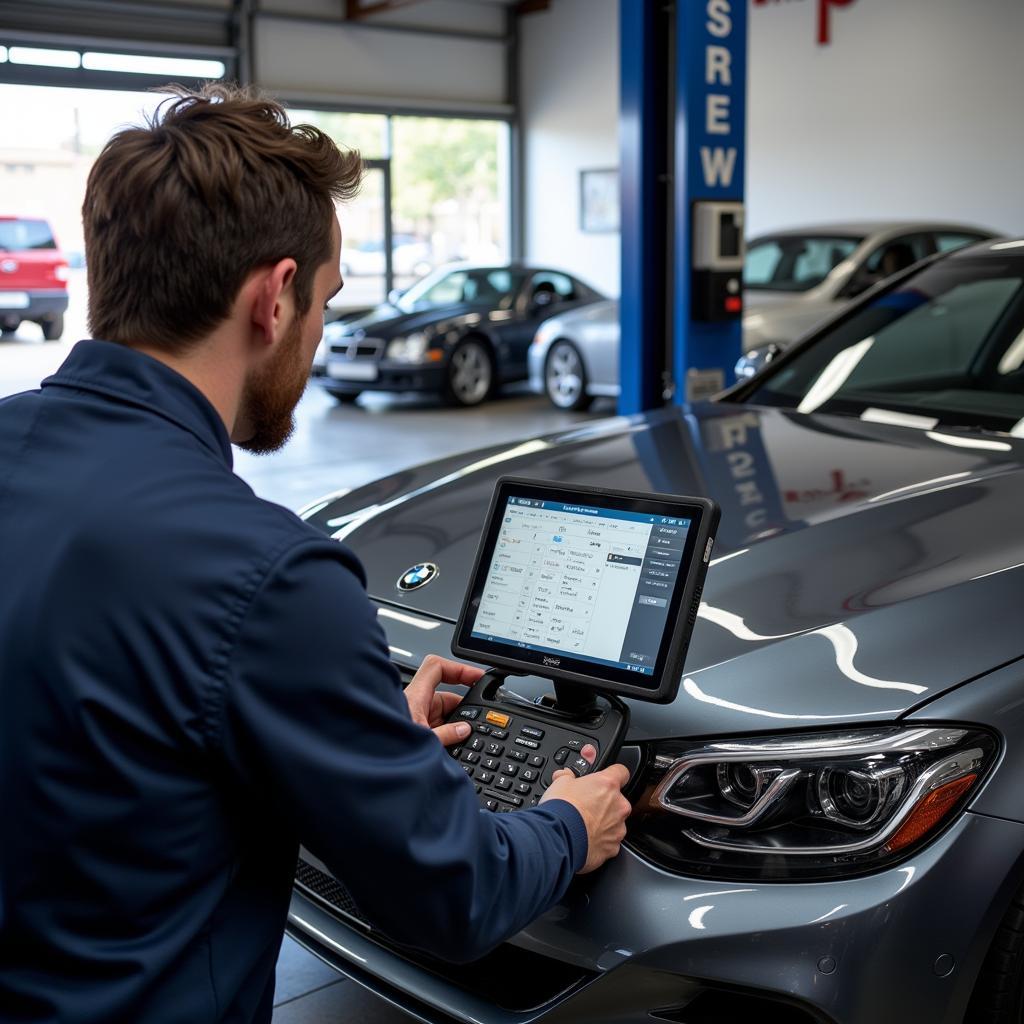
334,448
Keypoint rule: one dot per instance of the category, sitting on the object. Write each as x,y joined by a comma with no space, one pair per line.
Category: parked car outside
33,276
462,331
410,257
792,280
827,821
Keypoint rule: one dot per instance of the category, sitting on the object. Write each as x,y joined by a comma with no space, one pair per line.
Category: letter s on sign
719,22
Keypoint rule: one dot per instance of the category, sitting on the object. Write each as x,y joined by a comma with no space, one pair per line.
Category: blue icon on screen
557,538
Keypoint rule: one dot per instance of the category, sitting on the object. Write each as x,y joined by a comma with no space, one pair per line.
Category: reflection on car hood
860,568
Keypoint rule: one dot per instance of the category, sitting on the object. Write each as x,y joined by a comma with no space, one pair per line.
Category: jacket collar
125,374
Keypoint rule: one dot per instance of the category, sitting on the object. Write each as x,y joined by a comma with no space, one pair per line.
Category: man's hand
430,708
602,806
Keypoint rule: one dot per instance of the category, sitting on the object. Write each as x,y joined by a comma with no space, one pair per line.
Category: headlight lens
409,349
804,807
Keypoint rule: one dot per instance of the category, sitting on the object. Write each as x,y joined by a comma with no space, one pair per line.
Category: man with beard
192,680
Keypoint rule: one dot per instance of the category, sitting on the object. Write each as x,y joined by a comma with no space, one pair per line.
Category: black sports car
462,331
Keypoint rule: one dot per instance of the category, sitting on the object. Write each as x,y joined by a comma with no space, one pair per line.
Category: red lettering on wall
825,18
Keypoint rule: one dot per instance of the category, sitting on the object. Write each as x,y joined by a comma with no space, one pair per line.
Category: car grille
364,348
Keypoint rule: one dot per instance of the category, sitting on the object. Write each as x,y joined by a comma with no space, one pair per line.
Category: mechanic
192,679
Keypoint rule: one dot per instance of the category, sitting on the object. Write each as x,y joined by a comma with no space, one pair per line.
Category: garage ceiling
438,56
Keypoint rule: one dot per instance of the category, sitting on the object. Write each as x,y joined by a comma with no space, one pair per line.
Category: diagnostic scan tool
596,590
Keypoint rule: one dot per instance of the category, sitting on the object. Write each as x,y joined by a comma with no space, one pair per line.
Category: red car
33,276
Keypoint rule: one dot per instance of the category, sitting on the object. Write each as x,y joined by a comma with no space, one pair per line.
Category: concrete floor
334,448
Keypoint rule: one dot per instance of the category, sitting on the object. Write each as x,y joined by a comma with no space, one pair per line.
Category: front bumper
36,305
634,938
382,376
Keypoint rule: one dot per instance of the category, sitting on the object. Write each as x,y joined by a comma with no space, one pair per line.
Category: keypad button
468,769
533,732
516,800
502,782
477,743
517,755
495,749
561,755
492,764
523,788
491,804
470,757
576,743
534,800
530,775
536,760
500,734
580,766
529,744
455,751
469,713
504,808
479,789
498,719
484,730
509,769
484,777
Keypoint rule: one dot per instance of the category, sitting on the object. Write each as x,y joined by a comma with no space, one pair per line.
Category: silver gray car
828,819
792,280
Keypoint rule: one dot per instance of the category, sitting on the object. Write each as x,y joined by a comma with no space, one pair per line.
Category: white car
792,280
410,257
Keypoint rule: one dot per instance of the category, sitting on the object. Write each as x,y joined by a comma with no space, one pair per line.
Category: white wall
913,110
569,89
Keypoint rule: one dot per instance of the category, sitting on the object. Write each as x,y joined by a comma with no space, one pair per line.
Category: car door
544,293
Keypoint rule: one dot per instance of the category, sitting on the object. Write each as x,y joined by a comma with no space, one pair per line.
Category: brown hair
179,212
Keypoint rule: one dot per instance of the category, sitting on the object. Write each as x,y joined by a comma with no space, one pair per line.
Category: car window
486,286
947,241
898,253
946,343
26,234
794,263
550,281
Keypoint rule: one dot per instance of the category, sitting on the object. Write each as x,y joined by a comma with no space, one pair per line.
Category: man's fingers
448,702
436,670
452,733
618,773
589,753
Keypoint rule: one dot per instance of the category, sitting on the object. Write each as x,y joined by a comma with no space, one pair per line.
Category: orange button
497,718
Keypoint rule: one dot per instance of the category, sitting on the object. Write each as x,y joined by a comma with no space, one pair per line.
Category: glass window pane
366,132
794,263
945,241
450,193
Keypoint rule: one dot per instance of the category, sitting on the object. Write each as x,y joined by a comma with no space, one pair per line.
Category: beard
271,394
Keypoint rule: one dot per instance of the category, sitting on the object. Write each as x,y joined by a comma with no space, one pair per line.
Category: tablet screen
584,581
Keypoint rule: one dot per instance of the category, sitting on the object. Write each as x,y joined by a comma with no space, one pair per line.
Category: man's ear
273,306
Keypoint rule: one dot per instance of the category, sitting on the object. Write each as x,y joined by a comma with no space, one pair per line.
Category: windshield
25,234
794,263
493,287
946,346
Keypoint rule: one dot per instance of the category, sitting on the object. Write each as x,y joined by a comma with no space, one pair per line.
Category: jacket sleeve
314,720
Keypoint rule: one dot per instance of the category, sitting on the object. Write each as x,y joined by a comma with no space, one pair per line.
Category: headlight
409,349
804,807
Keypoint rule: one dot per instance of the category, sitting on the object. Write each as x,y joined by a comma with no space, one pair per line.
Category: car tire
469,376
53,328
998,996
565,378
345,397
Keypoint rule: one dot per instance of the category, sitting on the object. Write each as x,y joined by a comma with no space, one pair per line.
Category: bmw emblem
418,576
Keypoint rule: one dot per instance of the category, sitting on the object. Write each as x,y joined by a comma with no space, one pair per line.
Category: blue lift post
682,124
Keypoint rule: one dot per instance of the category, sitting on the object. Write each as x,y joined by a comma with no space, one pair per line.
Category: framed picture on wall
599,200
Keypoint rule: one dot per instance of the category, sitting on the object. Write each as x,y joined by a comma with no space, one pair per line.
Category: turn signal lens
929,812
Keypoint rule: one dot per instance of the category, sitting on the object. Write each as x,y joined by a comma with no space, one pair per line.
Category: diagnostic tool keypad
511,757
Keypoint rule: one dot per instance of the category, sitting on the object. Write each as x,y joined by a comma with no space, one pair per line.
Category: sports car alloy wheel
470,373
565,379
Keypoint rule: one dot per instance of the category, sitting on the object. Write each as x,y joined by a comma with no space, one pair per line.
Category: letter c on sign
824,18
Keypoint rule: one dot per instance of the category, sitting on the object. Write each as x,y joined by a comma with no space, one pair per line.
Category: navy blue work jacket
192,680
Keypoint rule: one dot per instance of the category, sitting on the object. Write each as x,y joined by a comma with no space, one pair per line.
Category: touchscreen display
580,580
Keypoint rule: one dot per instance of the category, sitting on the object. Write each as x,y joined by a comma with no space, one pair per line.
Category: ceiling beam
356,9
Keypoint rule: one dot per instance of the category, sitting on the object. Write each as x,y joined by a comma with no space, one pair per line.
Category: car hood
861,569
388,321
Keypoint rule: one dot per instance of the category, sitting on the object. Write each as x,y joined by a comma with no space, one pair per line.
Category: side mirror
756,359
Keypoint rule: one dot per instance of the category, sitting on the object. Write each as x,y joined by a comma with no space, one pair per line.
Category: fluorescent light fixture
3,54
898,419
835,375
44,58
140,64
970,442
